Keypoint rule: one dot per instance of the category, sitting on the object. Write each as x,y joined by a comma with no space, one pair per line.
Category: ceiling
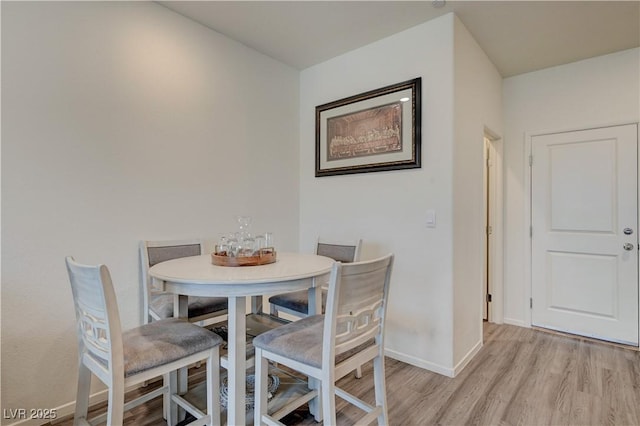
518,36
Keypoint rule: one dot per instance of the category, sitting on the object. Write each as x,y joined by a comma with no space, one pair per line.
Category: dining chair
297,303
159,305
121,360
327,347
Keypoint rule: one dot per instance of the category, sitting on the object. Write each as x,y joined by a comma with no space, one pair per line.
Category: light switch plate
431,218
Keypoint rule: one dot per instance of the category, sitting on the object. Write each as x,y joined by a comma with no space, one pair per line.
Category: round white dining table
197,276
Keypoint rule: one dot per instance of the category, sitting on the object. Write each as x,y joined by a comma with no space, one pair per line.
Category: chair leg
260,387
358,372
328,401
213,386
82,396
273,310
170,406
182,388
380,389
183,377
315,405
115,410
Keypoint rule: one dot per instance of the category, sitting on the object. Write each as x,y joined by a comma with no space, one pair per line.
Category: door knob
628,246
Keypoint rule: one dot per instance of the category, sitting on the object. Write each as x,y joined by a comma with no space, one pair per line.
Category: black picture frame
374,131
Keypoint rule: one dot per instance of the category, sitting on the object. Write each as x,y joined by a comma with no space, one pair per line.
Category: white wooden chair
121,360
158,305
327,347
297,303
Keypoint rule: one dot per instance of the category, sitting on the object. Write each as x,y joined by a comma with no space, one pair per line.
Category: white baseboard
417,362
25,422
63,412
467,358
519,323
66,411
436,368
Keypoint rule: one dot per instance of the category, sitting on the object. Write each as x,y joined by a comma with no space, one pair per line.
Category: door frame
495,285
528,152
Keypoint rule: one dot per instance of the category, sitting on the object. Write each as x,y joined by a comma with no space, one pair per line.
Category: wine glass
268,240
223,245
245,224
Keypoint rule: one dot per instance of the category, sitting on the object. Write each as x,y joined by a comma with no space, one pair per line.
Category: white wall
124,121
388,209
435,310
591,93
478,106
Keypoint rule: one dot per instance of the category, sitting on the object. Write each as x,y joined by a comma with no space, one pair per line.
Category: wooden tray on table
263,257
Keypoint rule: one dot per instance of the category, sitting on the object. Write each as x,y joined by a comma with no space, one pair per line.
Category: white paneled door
584,217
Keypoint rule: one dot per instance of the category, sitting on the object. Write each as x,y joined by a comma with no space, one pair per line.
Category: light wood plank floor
520,377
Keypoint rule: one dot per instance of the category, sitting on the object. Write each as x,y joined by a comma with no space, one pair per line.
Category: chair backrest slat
97,318
154,252
161,254
356,302
342,251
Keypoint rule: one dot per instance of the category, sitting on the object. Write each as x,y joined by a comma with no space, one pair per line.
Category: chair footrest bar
224,362
291,406
144,398
189,407
353,400
370,417
268,420
204,421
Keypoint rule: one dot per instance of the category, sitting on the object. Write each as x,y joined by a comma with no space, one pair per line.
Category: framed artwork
374,131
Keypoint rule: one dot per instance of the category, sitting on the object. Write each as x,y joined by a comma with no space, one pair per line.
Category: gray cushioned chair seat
301,341
162,342
296,301
162,304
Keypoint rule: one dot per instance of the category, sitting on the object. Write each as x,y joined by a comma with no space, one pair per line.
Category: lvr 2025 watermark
29,413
